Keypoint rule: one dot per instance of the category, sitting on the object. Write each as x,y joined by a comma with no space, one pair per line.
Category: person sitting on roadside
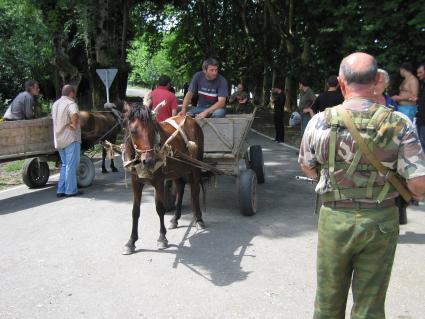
240,96
22,105
212,92
239,101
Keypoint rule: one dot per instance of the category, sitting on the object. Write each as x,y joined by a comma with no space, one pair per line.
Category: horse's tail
204,195
206,179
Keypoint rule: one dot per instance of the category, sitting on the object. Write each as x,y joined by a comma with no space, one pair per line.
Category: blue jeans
409,110
305,118
200,108
70,158
421,133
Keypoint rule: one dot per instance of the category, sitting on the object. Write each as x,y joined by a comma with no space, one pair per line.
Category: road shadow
215,254
411,238
35,198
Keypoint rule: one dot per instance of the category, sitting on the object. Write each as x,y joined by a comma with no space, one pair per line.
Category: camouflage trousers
356,247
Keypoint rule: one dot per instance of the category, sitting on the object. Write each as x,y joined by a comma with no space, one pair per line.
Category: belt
359,205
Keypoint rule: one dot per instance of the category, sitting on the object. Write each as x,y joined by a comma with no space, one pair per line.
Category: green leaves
147,67
25,48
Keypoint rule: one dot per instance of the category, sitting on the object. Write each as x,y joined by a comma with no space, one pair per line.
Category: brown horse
147,142
97,127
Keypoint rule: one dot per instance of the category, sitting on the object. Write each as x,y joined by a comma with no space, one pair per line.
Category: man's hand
203,115
182,113
310,172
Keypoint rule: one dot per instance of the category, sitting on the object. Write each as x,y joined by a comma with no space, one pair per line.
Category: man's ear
342,85
378,78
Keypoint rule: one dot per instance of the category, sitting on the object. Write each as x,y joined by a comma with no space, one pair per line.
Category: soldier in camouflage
358,224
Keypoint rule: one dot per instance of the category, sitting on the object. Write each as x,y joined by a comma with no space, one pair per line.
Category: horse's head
143,134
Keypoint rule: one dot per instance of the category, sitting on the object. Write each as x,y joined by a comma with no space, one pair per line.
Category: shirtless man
408,91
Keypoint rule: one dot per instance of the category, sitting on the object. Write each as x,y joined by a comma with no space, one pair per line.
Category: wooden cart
225,146
33,140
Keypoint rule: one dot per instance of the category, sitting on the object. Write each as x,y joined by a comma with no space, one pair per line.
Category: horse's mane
143,114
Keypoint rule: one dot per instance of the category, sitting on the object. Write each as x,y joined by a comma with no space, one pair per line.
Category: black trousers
278,125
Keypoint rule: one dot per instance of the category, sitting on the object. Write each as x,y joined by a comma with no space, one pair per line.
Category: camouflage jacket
394,142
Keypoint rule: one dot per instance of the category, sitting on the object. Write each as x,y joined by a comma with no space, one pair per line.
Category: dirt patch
7,178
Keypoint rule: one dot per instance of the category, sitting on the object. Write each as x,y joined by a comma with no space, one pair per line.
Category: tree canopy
259,42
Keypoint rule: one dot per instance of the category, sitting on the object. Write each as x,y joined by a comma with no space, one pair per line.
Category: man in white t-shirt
67,137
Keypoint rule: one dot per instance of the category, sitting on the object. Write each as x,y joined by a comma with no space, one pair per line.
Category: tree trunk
106,26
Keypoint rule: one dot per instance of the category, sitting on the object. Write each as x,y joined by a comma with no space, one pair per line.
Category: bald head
358,68
68,90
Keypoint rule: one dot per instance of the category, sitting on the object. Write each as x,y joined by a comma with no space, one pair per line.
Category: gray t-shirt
62,110
21,107
306,99
208,90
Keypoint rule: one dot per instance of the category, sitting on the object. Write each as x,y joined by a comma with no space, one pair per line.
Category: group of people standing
409,101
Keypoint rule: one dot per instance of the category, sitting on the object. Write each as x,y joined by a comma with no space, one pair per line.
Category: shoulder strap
371,157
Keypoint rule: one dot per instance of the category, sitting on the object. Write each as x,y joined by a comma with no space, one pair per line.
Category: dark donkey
149,150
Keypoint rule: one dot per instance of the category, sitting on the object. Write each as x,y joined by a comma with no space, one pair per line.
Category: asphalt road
61,258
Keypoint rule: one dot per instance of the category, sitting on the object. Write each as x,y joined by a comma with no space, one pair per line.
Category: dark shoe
75,194
59,195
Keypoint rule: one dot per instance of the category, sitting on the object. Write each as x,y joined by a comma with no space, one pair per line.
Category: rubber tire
248,192
257,162
33,174
85,172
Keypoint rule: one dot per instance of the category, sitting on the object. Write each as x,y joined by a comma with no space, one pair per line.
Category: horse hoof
201,224
162,244
128,250
114,170
104,171
172,225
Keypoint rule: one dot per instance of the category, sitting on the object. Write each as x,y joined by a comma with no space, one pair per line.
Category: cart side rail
226,135
26,138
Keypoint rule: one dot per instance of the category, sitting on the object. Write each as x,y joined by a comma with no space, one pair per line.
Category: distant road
134,91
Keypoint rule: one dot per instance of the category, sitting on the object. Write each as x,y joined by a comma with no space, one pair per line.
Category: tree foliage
148,66
260,42
25,48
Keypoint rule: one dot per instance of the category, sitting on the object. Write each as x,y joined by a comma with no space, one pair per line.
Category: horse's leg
180,183
103,160
137,188
195,188
160,209
113,168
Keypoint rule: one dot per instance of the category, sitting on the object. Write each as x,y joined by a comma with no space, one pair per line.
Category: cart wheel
35,173
257,162
85,172
248,192
170,196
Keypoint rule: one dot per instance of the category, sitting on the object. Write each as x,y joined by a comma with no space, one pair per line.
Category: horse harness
162,153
